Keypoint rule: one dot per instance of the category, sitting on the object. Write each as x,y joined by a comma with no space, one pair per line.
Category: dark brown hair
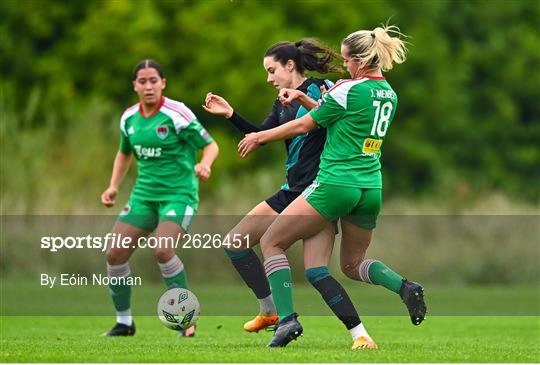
147,64
307,54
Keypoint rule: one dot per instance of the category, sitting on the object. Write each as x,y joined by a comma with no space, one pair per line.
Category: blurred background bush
465,138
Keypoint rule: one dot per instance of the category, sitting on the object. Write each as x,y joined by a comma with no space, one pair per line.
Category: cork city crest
125,210
162,131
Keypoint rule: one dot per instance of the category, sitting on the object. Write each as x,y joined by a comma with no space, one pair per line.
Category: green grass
466,324
19,297
220,339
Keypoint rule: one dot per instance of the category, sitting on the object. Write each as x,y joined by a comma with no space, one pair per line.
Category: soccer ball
178,309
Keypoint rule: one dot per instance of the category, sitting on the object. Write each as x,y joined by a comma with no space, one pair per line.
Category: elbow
213,146
305,124
305,127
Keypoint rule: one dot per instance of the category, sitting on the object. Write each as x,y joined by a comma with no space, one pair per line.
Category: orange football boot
364,343
261,322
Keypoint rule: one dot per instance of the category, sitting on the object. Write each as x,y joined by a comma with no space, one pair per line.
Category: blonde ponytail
379,48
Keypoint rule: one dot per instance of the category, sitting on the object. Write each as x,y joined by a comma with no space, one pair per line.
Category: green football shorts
147,215
356,205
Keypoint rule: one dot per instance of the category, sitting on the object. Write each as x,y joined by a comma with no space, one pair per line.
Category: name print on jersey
383,94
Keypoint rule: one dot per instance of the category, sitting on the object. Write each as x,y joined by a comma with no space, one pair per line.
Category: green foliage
467,119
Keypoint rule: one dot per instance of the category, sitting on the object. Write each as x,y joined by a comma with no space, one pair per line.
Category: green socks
173,273
376,272
120,293
279,275
177,281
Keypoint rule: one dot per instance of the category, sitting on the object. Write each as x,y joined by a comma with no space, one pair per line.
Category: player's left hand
249,144
203,171
286,96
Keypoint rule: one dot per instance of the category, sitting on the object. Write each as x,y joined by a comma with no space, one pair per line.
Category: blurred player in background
286,64
164,136
357,114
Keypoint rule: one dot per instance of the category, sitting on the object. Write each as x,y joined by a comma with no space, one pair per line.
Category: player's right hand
215,104
107,198
249,144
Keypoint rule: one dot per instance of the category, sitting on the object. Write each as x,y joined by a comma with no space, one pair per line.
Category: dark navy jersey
304,151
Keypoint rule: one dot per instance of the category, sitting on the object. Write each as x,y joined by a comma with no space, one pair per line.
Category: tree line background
466,128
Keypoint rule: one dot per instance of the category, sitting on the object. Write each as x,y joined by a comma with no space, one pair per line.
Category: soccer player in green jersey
357,114
164,136
286,64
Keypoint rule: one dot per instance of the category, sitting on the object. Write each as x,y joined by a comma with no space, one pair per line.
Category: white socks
124,317
358,331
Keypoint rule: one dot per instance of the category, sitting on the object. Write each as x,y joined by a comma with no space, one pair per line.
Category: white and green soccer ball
178,309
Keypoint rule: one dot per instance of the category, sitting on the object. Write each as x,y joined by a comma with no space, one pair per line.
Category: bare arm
307,102
285,131
120,168
217,105
204,168
286,96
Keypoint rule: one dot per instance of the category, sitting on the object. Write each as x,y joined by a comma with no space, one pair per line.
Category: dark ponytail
307,54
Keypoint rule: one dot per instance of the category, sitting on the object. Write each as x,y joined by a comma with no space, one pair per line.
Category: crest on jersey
125,210
162,131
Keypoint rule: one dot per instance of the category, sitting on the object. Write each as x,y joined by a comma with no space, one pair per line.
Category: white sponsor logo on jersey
147,152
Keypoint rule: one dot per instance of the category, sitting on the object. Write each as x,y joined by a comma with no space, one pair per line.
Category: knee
163,255
316,274
116,257
267,247
266,250
350,269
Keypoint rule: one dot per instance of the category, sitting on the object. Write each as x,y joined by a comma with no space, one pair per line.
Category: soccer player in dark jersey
286,64
164,136
357,114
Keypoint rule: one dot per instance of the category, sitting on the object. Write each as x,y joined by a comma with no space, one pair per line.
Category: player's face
280,76
350,64
149,86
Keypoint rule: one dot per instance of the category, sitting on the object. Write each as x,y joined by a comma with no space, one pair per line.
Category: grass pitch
221,339
465,324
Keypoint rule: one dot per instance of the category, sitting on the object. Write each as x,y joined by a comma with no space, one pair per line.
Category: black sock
251,270
334,295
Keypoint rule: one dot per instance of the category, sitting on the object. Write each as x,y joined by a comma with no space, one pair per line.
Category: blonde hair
377,48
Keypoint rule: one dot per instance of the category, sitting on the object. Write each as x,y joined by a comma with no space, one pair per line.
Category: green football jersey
165,145
357,114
